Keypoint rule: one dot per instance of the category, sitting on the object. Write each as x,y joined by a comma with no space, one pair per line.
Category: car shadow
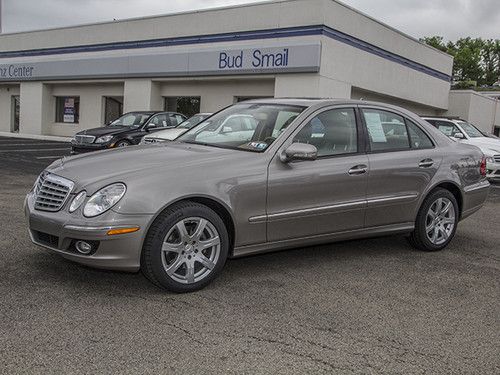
45,267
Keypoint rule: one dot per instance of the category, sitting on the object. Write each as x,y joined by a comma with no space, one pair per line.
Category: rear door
402,162
328,195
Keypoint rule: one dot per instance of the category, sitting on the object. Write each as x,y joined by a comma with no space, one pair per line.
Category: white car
465,132
173,133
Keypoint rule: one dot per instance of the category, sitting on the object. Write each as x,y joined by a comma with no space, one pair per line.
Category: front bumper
58,232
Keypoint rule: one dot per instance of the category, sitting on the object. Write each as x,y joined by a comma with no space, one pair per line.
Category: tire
434,231
122,143
186,248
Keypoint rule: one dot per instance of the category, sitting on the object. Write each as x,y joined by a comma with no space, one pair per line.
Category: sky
451,19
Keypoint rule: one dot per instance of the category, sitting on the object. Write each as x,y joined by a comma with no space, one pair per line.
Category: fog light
83,247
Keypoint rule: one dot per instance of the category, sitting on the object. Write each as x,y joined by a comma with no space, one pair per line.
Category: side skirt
324,239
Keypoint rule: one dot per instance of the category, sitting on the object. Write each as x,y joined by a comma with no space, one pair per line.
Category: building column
36,109
141,95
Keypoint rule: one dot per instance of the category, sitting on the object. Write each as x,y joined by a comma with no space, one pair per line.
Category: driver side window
332,132
158,121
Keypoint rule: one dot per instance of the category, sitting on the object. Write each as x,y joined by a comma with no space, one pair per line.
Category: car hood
169,134
106,130
489,146
123,164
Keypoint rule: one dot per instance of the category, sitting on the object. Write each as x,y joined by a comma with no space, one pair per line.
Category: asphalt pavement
366,307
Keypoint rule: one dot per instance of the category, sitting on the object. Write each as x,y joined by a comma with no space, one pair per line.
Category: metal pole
0,16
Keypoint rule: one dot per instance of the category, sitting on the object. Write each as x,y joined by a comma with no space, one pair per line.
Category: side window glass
448,128
418,138
386,130
333,132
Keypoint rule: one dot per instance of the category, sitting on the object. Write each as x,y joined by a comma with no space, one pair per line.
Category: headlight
104,199
77,201
490,160
104,139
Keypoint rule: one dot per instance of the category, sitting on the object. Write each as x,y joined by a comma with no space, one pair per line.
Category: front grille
83,139
51,192
497,158
46,239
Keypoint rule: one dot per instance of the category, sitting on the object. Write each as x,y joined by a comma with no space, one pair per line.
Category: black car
124,131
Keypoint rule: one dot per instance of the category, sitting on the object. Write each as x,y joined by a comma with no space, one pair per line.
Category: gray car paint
269,204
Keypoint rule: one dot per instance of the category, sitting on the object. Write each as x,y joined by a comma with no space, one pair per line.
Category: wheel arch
454,189
217,206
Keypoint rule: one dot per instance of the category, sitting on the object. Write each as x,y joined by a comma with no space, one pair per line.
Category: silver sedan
285,173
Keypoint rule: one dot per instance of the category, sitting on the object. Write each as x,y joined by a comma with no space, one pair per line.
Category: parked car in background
172,133
285,173
464,132
125,131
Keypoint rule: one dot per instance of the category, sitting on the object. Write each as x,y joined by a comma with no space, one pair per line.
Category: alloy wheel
190,250
440,221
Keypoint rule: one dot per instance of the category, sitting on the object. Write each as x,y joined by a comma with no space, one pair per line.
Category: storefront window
68,109
113,108
187,105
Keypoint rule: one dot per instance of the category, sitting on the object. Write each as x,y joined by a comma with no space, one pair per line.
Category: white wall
91,105
475,108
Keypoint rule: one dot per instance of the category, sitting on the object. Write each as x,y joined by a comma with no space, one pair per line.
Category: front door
402,162
328,195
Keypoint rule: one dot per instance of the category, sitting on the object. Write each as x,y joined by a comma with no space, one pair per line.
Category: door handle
358,169
426,163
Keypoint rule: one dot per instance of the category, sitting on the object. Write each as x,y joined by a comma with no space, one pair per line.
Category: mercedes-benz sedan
309,172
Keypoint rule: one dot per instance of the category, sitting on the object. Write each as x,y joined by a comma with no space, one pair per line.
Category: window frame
361,146
405,119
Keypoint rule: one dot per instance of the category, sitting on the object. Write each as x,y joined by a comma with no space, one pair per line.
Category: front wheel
122,143
185,248
436,222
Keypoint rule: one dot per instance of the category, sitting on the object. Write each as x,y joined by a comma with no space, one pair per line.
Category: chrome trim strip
326,209
306,211
392,199
95,229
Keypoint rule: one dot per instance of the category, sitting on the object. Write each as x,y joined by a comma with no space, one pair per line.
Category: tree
476,61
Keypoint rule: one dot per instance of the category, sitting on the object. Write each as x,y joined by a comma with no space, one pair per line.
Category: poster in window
69,110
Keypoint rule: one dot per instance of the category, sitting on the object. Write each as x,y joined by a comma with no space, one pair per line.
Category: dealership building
60,81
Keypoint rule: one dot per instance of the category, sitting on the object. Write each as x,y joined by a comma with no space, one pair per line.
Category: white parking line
30,144
48,157
36,150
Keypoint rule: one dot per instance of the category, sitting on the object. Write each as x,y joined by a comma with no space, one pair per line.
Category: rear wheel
186,248
436,222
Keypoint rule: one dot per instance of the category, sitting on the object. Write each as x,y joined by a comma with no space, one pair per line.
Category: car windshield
192,121
250,127
131,119
470,129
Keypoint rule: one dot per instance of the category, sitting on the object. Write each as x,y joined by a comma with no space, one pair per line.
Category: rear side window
386,131
418,138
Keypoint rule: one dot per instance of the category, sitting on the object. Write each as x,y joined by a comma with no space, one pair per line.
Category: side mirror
299,151
458,136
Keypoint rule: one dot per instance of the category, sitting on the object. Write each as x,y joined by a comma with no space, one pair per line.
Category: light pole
0,16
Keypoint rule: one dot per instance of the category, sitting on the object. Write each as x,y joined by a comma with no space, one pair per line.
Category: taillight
482,169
